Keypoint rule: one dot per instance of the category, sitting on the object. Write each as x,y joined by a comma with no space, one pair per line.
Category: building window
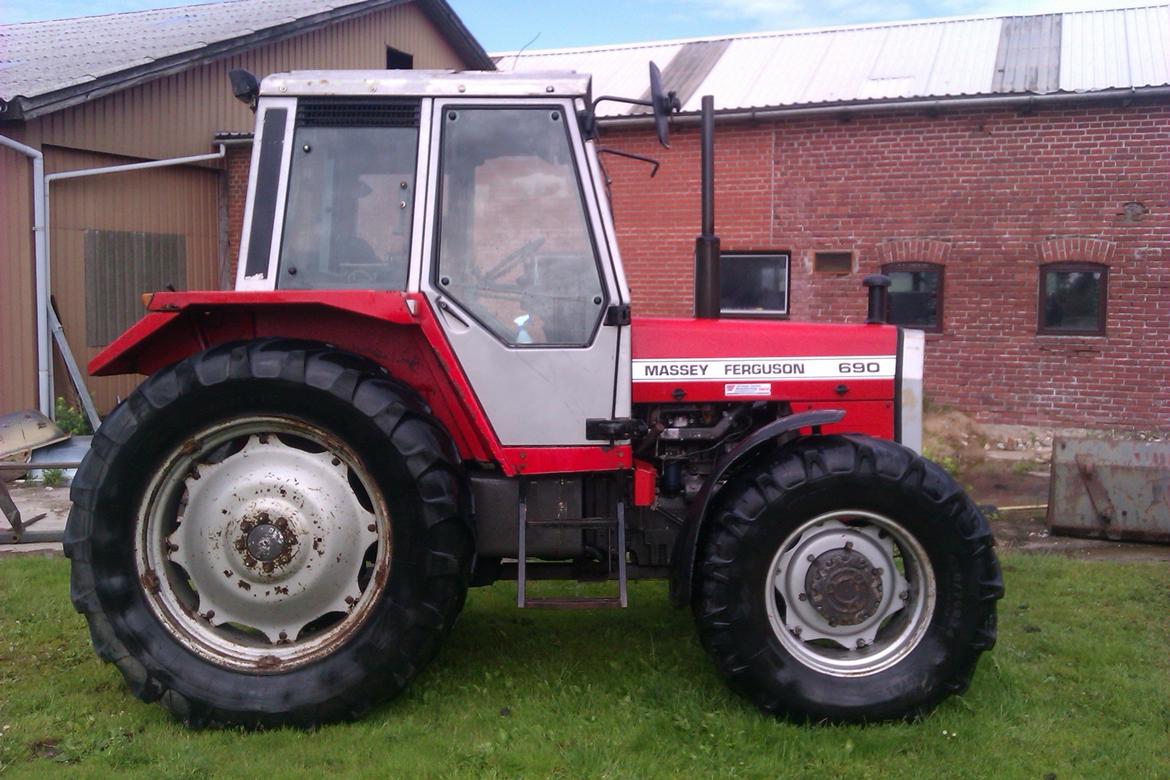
916,295
753,283
833,262
1072,298
398,60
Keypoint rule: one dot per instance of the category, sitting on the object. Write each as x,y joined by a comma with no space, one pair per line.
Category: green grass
1079,686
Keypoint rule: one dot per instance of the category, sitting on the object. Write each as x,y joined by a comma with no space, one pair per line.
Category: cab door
516,269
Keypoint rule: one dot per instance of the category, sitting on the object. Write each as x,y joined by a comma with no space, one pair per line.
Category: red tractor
428,378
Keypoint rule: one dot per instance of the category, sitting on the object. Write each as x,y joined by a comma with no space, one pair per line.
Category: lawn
1079,686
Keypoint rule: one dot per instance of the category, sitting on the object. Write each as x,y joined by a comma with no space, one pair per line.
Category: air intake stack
707,244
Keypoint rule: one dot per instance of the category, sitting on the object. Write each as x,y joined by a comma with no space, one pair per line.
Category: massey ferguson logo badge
776,369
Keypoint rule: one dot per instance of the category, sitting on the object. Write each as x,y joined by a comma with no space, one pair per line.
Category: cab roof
427,83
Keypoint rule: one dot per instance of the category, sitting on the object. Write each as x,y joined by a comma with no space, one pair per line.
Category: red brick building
1012,175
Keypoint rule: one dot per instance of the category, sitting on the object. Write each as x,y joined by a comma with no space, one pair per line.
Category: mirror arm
589,115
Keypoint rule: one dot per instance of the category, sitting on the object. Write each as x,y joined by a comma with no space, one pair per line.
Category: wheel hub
266,542
844,587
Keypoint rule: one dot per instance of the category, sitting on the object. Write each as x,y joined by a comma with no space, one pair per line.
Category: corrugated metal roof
1109,49
1076,51
39,58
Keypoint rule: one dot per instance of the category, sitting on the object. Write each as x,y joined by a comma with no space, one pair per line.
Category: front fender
682,561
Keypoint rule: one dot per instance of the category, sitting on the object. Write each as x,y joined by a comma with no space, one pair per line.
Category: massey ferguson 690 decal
771,368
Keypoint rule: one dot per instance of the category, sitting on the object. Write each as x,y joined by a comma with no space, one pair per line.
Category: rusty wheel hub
265,542
844,587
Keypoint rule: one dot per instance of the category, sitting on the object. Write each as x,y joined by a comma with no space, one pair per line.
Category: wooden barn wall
172,116
18,363
176,201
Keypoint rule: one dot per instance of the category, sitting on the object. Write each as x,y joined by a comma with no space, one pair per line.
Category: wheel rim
850,593
262,543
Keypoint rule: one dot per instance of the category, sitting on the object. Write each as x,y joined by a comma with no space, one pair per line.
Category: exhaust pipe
878,304
707,244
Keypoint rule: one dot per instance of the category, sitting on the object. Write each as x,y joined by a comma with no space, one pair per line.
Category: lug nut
803,596
848,546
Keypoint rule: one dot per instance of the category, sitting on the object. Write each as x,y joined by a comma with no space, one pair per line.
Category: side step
617,542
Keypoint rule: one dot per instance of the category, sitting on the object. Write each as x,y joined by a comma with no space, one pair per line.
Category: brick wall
988,194
239,157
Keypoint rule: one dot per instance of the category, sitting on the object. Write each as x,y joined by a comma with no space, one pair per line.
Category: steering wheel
521,255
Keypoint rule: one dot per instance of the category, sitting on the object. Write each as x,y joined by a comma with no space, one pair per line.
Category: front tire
847,579
269,533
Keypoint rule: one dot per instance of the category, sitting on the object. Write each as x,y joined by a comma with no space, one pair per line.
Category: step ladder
616,542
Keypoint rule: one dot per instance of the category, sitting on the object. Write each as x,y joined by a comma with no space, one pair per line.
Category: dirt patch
1023,532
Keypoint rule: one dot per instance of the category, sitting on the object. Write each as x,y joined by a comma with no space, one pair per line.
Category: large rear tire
269,533
846,579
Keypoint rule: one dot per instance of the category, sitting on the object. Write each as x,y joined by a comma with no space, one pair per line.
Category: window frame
1102,298
940,312
568,116
748,314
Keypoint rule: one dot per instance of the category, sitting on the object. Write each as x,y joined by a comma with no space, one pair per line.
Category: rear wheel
269,533
846,578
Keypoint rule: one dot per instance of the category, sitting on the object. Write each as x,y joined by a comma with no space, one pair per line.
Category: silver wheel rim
261,543
850,593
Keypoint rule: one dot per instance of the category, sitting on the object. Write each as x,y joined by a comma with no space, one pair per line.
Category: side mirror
663,103
245,87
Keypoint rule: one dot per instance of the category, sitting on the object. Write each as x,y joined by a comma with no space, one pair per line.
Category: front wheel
846,578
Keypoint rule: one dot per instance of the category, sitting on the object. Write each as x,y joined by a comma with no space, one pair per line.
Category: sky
507,25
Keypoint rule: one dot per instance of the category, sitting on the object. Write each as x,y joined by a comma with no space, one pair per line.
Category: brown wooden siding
18,364
177,115
170,117
181,201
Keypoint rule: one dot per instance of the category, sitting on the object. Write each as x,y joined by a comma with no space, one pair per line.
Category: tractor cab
477,191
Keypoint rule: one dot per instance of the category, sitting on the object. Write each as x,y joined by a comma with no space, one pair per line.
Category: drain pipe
41,274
